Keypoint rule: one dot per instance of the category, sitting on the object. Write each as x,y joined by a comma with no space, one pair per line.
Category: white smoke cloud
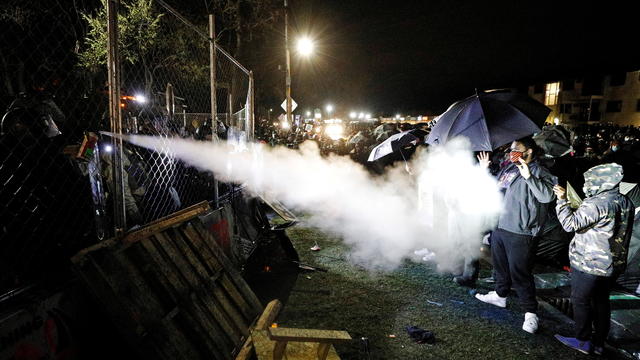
445,206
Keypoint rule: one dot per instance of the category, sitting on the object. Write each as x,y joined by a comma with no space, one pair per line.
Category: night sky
419,56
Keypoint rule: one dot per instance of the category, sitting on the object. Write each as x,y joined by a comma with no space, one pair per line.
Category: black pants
512,261
590,299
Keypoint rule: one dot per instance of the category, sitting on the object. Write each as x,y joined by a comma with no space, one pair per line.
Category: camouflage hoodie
602,223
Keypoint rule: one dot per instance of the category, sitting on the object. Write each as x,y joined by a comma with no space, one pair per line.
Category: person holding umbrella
528,190
598,252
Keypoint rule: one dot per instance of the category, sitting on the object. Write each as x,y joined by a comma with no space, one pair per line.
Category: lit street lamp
329,109
305,48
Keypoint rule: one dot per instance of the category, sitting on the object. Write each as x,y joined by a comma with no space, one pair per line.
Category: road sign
293,105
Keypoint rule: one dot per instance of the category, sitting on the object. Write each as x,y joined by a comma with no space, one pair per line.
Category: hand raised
524,169
483,159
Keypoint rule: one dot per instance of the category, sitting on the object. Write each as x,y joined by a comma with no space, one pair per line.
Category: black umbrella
392,144
490,119
554,140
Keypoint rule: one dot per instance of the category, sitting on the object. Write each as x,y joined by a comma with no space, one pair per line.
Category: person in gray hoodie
528,190
598,252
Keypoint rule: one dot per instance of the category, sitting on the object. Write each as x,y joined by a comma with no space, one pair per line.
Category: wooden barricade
278,343
170,290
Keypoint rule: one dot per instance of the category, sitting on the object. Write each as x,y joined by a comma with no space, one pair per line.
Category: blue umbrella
490,120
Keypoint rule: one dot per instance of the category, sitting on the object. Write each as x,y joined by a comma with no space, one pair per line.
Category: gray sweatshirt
526,202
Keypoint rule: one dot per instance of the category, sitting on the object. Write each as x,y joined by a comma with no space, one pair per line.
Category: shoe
582,346
462,281
493,298
598,350
530,323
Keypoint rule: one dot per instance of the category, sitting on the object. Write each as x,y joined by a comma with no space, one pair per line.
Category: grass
380,305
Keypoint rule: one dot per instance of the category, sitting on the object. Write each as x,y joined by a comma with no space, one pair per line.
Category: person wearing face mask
598,252
620,155
528,189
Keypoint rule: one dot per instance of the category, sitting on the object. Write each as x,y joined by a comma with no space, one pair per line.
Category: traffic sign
293,105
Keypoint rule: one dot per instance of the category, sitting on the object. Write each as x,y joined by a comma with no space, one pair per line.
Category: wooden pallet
170,289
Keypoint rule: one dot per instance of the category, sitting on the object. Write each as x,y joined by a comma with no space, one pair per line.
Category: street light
305,46
329,109
353,115
288,78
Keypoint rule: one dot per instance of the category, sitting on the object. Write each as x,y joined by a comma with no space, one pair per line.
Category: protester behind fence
603,224
45,200
528,189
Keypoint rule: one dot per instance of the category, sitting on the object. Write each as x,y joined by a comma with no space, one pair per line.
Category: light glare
305,46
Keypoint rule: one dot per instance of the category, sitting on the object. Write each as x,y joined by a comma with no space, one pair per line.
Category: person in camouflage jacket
598,251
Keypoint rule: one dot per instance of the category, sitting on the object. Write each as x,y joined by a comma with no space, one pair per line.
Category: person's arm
541,187
580,219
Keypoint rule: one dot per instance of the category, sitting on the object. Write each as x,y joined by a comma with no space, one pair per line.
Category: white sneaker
493,298
530,324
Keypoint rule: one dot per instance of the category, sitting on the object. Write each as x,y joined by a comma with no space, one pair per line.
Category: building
611,99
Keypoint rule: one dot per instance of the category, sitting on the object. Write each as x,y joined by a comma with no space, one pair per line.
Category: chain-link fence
168,80
50,198
63,186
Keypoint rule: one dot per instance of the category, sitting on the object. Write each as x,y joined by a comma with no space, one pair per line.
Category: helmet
24,117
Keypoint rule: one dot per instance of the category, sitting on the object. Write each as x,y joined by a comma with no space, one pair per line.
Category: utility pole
115,116
214,105
288,79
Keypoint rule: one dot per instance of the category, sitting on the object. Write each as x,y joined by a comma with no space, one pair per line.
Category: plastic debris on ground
421,336
426,254
434,303
552,280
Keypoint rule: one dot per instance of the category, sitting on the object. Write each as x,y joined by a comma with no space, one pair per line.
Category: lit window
551,93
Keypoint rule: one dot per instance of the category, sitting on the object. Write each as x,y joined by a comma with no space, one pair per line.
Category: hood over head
602,178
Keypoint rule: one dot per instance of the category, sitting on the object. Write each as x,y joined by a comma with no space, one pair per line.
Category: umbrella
632,191
357,138
490,119
393,143
554,140
382,128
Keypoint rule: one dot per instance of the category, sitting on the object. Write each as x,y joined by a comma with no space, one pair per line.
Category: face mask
614,148
515,156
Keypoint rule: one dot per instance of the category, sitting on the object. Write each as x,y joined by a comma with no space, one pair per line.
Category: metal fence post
214,107
115,115
250,109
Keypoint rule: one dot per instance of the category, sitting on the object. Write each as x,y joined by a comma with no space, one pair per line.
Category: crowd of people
540,224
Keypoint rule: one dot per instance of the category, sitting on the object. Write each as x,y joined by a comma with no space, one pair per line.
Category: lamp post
288,60
305,47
